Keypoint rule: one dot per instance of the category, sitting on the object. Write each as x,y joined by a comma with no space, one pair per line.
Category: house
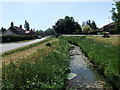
2,31
14,30
29,32
108,27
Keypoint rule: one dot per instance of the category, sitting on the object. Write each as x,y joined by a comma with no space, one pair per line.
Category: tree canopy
67,26
116,15
26,25
92,25
50,31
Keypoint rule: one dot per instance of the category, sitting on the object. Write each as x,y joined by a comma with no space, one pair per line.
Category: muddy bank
82,74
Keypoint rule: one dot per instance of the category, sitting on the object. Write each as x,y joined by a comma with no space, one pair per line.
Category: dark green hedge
17,38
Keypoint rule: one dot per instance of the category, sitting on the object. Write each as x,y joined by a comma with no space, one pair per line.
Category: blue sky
42,15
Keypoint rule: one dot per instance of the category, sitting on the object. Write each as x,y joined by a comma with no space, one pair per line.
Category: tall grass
48,70
104,56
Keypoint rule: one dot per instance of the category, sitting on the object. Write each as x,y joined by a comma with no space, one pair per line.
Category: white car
39,37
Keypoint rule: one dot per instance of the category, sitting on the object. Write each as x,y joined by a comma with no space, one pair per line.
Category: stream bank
82,74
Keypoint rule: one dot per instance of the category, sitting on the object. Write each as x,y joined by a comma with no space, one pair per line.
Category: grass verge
104,56
25,47
114,40
48,68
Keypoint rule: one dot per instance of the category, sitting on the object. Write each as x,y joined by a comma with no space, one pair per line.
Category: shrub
17,38
48,44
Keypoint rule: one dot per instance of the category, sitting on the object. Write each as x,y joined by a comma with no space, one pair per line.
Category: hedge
16,38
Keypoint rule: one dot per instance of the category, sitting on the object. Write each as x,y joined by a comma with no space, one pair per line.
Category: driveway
10,46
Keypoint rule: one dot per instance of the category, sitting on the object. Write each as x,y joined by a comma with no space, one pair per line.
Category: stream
82,75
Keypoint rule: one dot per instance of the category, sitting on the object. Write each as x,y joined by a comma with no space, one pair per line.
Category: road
10,46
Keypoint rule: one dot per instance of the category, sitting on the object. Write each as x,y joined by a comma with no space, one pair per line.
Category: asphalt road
10,46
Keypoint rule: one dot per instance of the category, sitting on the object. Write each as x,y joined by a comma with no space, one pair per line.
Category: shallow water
83,75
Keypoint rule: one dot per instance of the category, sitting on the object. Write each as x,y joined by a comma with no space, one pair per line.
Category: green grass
48,70
25,47
104,56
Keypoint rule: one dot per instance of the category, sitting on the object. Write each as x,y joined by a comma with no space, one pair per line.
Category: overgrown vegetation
47,69
116,15
104,56
24,48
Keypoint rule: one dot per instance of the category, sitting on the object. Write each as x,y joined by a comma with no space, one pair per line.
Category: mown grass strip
104,56
48,70
25,47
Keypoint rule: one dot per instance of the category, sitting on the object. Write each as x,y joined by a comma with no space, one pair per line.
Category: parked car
39,37
106,35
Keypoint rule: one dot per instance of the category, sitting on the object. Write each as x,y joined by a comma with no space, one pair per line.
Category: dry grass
26,53
114,40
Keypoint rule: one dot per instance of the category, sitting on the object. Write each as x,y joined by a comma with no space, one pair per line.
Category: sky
43,15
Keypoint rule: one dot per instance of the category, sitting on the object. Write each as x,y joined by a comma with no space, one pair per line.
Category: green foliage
48,44
26,25
40,33
48,71
66,26
92,25
116,15
15,38
86,29
104,56
50,31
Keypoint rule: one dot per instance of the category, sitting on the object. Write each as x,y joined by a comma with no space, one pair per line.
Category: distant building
108,27
14,30
29,32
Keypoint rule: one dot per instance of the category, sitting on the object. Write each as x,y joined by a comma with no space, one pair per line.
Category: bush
48,44
17,38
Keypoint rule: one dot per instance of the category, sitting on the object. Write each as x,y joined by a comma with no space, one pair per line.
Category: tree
86,29
89,23
26,25
66,26
50,31
3,29
116,15
40,33
93,25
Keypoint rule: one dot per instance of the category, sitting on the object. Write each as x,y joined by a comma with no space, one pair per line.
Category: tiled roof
16,29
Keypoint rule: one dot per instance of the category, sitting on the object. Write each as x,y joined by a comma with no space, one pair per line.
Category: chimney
21,26
12,24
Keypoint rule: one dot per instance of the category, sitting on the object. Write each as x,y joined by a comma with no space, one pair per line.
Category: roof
15,29
110,24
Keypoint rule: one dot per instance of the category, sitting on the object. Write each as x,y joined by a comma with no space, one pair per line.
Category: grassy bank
47,68
104,56
114,40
